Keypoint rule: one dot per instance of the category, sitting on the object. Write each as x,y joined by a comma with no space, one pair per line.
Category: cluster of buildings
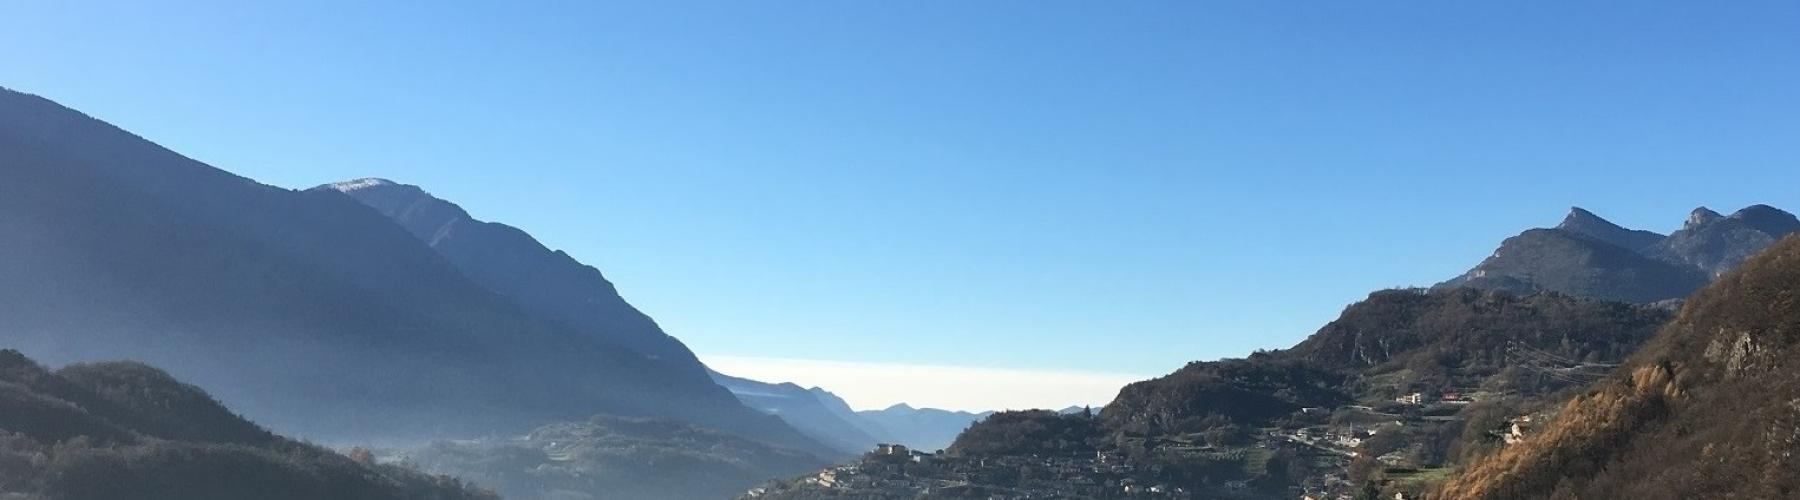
892,471
1451,398
1334,440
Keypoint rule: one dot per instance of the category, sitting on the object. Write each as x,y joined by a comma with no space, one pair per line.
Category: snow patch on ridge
363,183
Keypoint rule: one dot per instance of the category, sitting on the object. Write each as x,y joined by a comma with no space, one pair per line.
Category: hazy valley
469,250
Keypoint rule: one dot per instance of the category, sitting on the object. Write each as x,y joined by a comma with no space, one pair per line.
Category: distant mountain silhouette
806,410
1029,433
825,417
126,430
1591,257
1706,410
837,406
305,309
922,428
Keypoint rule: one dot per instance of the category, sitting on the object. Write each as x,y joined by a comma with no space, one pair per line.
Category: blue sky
1098,187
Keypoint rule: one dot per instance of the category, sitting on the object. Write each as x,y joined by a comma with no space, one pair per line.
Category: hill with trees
1462,340
1027,433
1208,394
115,430
1393,343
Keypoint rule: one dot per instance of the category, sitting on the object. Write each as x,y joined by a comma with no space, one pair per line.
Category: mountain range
1589,256
275,299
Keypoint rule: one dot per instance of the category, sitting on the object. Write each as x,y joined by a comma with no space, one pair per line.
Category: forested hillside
119,430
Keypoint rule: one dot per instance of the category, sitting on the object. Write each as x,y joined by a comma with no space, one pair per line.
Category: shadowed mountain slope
507,260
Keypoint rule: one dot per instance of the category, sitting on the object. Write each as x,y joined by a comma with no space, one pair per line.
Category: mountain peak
428,217
1580,219
1761,213
1759,209
1585,223
1770,220
1701,216
1580,214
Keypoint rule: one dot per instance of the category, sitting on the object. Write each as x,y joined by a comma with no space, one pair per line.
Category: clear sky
1053,187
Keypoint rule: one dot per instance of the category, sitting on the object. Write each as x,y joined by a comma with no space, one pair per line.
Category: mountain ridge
509,260
1587,255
